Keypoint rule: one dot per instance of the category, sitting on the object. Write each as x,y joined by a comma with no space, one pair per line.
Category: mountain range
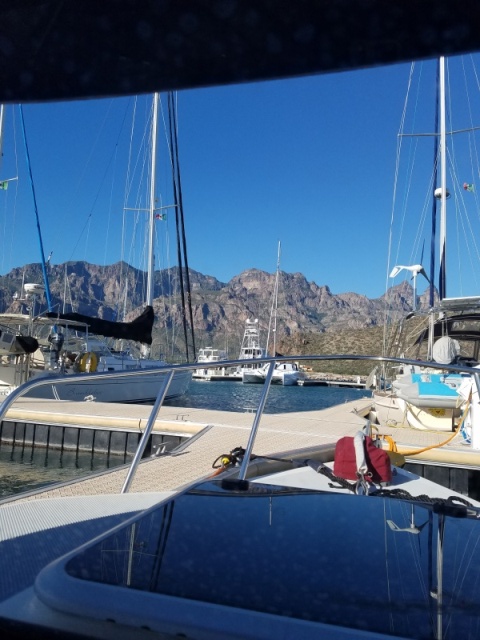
219,309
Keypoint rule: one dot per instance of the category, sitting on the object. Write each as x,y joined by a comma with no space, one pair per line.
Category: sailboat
285,373
448,332
85,354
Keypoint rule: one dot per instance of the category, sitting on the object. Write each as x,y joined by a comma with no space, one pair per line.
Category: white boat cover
445,350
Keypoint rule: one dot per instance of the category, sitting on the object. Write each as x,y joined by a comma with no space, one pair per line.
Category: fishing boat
249,349
207,358
285,373
447,329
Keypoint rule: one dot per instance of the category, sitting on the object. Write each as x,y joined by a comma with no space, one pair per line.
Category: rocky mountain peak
219,309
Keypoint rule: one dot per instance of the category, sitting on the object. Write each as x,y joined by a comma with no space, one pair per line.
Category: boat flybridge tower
29,294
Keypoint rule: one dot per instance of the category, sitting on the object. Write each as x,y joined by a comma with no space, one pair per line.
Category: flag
4,185
160,216
468,187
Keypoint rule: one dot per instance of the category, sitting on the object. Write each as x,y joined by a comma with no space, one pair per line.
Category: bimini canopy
59,50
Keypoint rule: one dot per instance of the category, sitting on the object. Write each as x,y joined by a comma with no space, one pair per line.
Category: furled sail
139,329
12,344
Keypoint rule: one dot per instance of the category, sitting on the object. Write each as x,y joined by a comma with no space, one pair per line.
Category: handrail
171,369
148,430
256,422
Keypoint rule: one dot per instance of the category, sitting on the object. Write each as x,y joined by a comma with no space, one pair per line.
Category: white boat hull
252,377
388,410
393,411
134,389
286,377
208,374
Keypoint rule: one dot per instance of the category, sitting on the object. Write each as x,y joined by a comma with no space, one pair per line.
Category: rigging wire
465,235
468,247
124,271
474,173
88,220
10,220
37,217
272,323
392,213
181,236
110,207
138,169
137,175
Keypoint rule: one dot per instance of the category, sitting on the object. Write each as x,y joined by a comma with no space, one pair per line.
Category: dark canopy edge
59,49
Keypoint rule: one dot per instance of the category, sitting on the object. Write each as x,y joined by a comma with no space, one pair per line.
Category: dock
325,382
206,435
213,433
217,378
94,427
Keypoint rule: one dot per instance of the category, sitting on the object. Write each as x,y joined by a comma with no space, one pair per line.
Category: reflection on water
28,468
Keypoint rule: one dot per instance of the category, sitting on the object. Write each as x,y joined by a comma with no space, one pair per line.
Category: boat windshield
335,559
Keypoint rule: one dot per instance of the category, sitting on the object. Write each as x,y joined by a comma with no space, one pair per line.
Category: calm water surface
235,396
25,469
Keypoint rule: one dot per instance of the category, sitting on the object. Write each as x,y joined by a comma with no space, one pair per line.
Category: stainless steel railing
169,371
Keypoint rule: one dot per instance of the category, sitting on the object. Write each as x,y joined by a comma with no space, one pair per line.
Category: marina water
25,469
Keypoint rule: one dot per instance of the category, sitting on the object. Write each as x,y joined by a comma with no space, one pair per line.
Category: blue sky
310,162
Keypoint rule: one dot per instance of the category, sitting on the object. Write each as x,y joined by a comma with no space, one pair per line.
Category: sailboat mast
443,184
151,225
272,324
276,303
